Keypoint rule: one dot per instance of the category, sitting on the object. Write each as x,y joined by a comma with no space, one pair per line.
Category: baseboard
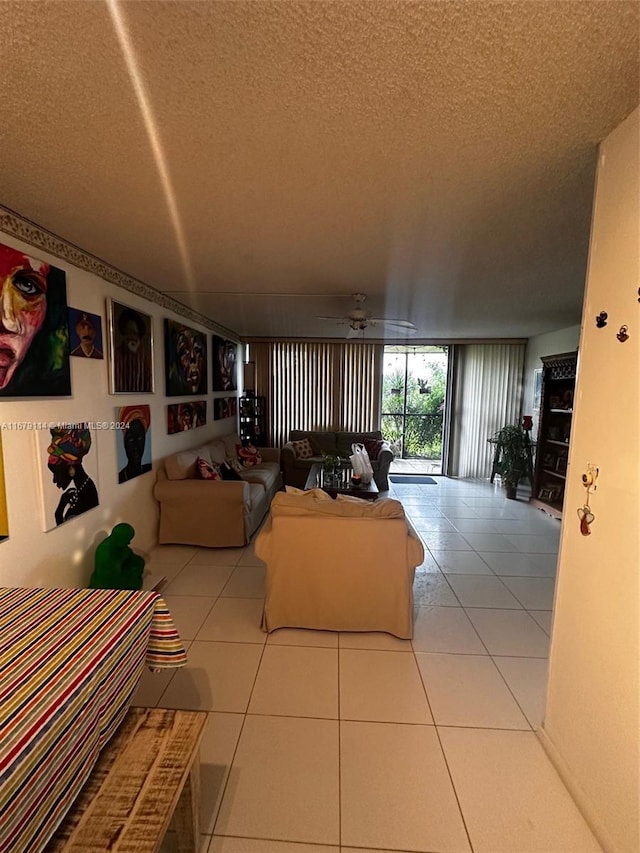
582,801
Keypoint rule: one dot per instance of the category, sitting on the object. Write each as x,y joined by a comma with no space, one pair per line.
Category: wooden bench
146,778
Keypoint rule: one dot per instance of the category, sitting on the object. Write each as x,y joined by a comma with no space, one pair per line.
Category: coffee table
340,484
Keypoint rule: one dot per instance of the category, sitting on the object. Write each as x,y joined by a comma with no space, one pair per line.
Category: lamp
249,378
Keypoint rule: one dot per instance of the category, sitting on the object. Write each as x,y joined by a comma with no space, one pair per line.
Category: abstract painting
85,334
34,336
68,465
185,359
185,416
133,441
224,364
225,407
131,348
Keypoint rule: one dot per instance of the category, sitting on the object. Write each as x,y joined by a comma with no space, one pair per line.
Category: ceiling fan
358,320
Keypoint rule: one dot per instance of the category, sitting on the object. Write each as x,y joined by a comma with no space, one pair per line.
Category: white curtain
318,386
488,395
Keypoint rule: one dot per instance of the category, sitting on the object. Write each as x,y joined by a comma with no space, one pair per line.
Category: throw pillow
229,473
373,446
207,470
248,455
233,463
302,449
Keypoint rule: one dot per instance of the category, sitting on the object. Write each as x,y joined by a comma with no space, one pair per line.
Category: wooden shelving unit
554,432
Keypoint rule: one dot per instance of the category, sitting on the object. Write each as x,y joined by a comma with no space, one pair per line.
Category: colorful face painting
133,438
68,462
184,416
225,407
34,338
224,364
185,353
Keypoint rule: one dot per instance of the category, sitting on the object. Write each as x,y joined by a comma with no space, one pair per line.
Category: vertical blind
318,386
488,395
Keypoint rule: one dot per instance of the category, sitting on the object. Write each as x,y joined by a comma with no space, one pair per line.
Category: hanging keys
586,519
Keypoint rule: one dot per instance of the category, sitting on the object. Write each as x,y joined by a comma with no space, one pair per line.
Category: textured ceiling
262,161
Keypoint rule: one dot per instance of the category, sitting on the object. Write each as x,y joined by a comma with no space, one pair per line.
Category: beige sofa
218,513
295,471
343,565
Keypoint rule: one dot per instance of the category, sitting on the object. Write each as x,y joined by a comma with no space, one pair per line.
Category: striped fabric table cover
70,660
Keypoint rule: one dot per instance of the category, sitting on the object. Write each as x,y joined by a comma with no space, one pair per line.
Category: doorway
414,397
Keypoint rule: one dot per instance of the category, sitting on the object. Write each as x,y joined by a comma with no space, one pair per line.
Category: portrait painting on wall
224,364
85,334
185,358
185,416
225,407
4,512
133,441
131,350
68,465
34,336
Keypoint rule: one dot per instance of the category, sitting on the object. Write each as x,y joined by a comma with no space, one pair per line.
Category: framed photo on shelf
561,464
537,390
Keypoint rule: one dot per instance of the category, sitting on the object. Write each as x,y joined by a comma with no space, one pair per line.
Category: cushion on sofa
373,446
322,442
302,449
217,451
182,466
249,456
207,470
231,443
228,472
344,440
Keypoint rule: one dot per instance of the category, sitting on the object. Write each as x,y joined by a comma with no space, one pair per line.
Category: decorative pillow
207,470
302,449
248,455
234,464
229,473
373,446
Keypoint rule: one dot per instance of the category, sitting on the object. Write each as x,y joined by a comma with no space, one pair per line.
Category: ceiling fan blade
383,321
340,320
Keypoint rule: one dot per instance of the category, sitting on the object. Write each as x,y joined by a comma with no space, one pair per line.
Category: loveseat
338,565
295,469
214,513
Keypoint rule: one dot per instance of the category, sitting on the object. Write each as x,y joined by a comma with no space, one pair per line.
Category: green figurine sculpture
116,566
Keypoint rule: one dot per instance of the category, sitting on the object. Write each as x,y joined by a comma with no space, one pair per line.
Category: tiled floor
319,741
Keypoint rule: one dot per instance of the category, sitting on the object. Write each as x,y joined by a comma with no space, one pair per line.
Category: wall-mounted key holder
623,334
601,320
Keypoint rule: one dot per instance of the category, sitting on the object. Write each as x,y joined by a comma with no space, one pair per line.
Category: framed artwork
184,416
131,349
225,355
85,334
133,441
34,334
225,407
68,465
4,513
185,359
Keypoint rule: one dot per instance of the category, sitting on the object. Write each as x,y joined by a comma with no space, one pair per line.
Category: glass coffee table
340,483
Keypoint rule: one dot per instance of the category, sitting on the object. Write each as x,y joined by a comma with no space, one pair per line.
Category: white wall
592,721
64,556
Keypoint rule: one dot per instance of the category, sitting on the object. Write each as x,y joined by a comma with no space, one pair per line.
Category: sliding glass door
414,393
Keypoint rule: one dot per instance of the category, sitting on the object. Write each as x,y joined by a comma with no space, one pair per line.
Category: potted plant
513,456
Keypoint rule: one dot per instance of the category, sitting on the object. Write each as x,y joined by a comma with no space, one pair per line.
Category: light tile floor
319,741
